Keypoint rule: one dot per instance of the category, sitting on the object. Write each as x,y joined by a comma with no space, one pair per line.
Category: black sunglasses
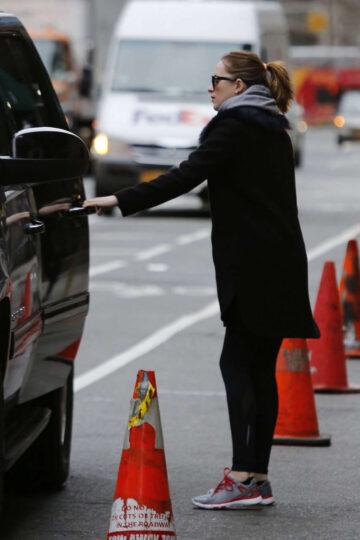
215,79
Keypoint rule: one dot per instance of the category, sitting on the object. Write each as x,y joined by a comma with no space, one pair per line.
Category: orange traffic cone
327,358
142,506
297,422
350,300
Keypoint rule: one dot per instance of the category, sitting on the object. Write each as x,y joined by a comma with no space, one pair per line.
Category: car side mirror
44,155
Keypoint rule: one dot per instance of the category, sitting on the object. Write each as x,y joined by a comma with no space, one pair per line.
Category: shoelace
226,483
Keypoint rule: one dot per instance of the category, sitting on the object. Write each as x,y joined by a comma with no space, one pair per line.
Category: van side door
20,277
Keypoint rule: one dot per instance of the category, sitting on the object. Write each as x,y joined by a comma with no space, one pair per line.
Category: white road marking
145,346
333,242
127,291
157,267
147,254
111,251
167,332
194,291
106,267
155,251
193,237
114,235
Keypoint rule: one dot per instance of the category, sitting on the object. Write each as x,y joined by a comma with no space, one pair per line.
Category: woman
246,155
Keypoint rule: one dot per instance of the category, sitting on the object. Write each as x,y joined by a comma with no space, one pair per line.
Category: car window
350,102
26,90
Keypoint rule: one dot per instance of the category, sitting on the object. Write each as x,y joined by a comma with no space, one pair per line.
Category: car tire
47,462
55,441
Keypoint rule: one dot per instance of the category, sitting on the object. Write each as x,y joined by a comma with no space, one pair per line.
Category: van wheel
47,462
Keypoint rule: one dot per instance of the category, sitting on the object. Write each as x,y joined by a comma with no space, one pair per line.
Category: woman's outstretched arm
216,151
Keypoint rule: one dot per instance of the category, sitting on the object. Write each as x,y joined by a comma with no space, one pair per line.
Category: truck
72,37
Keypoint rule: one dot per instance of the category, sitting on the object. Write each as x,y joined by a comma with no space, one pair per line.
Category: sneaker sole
255,502
268,501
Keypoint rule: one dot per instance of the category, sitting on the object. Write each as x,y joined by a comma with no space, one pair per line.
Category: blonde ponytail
280,85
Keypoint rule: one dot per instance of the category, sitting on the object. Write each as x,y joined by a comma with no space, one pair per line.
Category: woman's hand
102,203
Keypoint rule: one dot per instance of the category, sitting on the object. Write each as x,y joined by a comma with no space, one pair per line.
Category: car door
64,246
20,277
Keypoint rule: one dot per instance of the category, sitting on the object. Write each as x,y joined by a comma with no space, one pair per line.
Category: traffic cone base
142,505
321,440
337,390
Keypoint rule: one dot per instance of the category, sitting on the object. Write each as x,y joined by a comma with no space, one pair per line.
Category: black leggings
247,365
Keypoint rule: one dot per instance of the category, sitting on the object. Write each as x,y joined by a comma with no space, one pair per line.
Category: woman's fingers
102,202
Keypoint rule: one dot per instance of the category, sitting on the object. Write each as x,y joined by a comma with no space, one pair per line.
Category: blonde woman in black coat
245,153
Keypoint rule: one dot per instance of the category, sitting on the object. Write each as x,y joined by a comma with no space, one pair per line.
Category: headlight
103,144
100,144
339,121
302,126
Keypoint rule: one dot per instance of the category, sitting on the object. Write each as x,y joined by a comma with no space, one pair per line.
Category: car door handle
35,227
78,211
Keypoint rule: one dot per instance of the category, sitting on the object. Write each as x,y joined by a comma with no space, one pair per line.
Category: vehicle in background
298,128
64,34
56,52
347,119
44,262
154,101
321,74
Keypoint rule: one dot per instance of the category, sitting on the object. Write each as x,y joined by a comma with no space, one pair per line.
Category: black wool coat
245,153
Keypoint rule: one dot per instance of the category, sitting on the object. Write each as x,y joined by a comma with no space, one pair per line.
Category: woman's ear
240,86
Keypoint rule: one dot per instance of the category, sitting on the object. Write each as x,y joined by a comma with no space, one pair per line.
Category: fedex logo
192,118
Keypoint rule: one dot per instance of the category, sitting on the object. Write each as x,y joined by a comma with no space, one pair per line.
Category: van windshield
170,67
53,55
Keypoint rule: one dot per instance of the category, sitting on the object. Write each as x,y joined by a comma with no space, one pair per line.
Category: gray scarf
255,96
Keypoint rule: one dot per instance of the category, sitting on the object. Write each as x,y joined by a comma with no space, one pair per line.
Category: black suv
44,249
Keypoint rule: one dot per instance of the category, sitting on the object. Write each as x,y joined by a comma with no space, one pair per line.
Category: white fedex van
154,100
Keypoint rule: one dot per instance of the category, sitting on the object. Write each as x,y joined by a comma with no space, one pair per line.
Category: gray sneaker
230,494
266,493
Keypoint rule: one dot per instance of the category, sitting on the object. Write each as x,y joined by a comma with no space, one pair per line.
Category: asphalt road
147,273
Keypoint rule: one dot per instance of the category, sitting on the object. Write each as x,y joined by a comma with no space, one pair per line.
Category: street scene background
150,271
